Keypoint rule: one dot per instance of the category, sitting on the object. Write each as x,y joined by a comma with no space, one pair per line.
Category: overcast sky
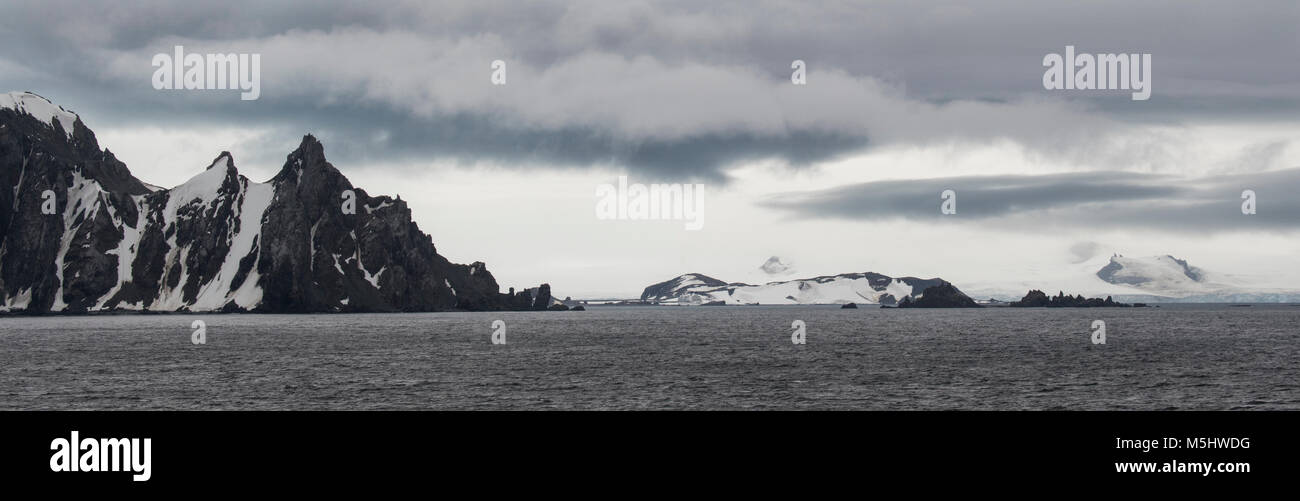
903,100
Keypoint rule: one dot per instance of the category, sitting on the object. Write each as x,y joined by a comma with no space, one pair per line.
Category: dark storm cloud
474,138
668,88
375,135
1042,203
980,197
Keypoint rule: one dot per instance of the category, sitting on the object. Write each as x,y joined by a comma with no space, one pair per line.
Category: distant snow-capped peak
775,265
1157,274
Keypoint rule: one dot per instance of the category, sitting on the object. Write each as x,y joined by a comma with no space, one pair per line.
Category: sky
903,101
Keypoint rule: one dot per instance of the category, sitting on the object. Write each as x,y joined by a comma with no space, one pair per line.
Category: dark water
1188,357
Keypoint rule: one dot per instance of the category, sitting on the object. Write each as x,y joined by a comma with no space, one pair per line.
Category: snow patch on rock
39,108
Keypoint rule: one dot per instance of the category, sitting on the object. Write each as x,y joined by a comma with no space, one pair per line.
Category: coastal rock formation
79,233
1036,299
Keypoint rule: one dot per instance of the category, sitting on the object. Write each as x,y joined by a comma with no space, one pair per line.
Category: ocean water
1173,357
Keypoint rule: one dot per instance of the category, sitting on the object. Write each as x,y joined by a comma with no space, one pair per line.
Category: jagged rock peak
309,156
309,151
225,160
311,145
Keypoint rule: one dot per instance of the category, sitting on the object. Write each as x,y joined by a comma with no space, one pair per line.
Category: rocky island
1036,299
944,295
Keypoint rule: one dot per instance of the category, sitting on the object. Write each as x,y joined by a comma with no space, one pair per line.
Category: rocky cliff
79,233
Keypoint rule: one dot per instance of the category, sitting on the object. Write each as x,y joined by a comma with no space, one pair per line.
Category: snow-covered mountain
861,288
1160,275
1162,278
1169,278
218,242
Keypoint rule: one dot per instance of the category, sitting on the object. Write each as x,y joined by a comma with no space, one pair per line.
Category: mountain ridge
861,288
217,242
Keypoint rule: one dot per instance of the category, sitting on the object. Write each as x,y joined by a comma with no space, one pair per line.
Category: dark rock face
542,300
218,242
944,295
331,246
59,259
1036,299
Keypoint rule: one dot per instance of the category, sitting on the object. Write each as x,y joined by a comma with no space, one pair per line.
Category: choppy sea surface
1172,357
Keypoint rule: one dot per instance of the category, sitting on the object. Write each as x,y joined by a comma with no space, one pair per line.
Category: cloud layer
670,89
1109,200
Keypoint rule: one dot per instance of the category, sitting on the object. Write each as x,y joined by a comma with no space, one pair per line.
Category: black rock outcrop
542,299
944,295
